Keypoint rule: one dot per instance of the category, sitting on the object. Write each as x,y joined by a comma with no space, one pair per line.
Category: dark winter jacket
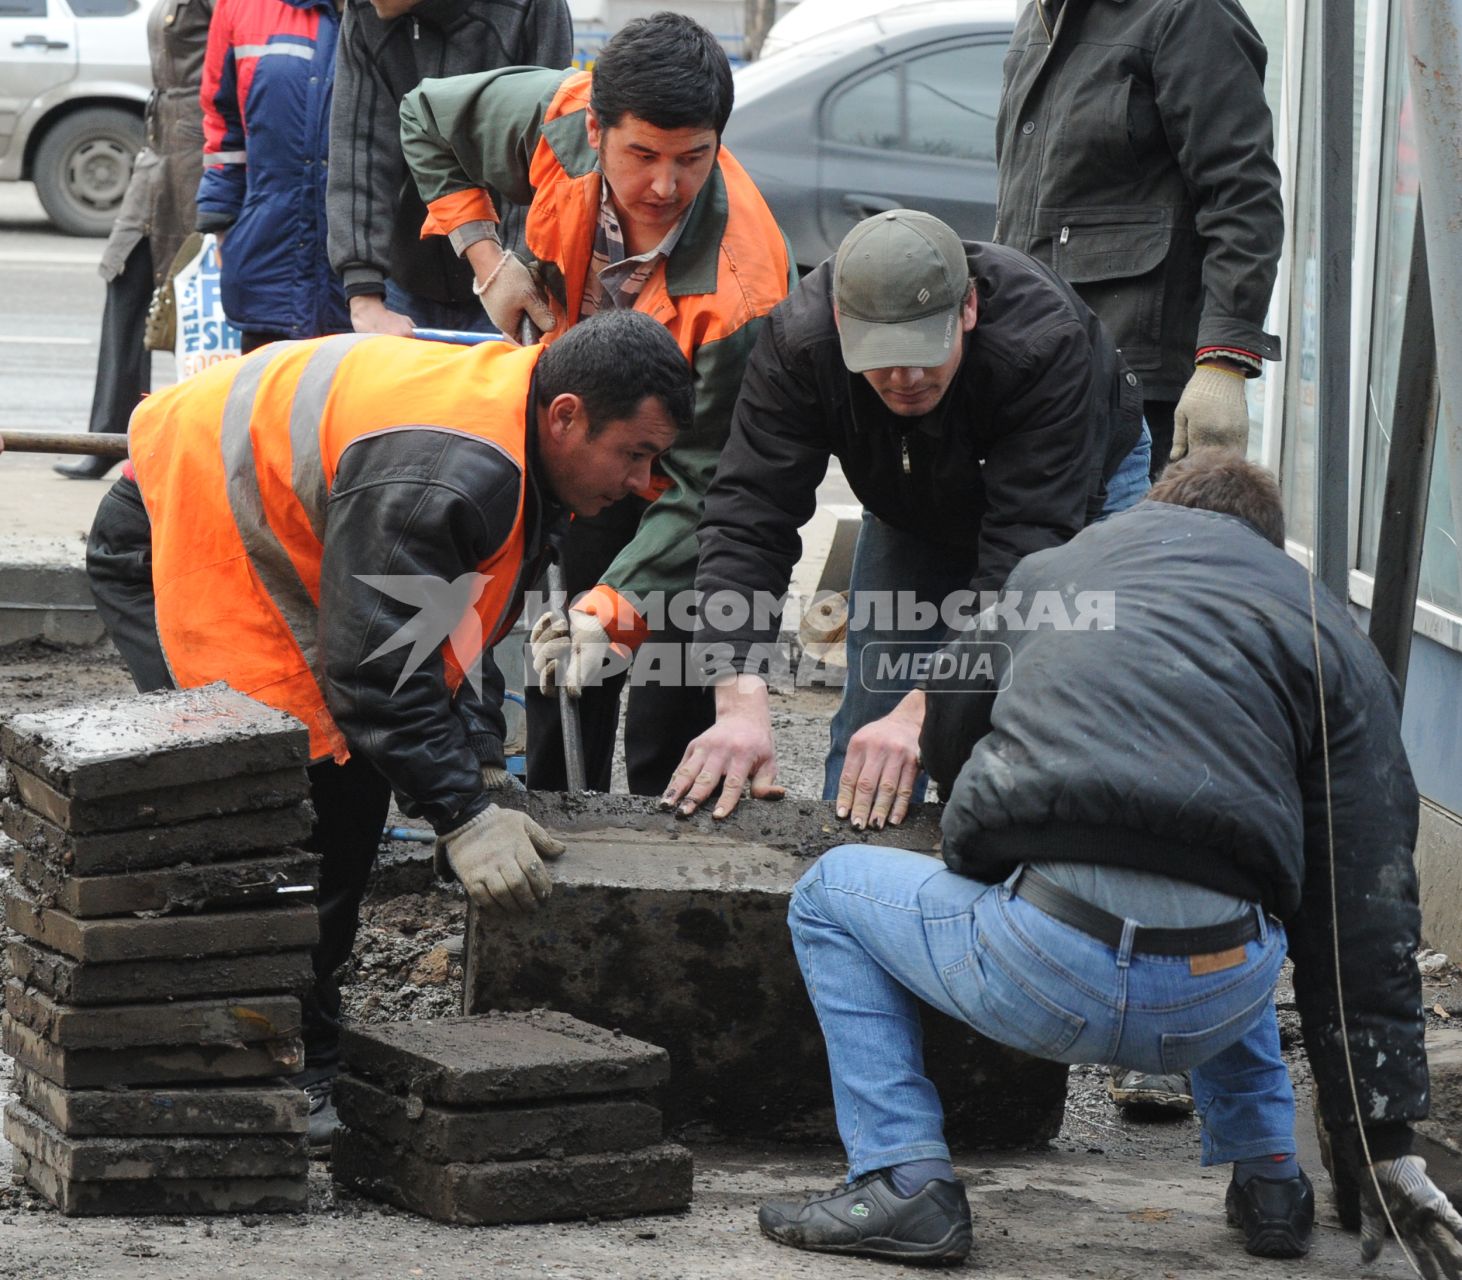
1137,158
374,209
266,116
1015,458
1181,734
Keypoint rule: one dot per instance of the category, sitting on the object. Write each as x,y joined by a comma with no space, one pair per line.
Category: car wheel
82,168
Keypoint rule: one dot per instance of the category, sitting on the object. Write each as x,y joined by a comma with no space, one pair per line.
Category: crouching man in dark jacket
1144,814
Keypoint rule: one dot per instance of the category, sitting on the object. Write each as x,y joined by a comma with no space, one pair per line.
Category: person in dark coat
1145,812
394,278
155,218
267,84
1136,158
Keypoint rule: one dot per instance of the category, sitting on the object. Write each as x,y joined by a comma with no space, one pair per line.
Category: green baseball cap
899,279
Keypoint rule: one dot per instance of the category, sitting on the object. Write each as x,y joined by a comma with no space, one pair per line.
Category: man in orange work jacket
632,204
341,528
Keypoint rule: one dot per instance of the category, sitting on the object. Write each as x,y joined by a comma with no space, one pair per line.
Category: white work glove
498,856
509,293
1213,413
1426,1222
574,655
497,778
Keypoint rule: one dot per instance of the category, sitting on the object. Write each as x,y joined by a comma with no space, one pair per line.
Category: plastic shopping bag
204,335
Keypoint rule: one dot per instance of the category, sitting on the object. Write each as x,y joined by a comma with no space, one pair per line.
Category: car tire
83,165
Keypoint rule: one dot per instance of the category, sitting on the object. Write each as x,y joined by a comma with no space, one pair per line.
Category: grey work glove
1426,1222
497,778
574,655
498,856
510,293
1212,413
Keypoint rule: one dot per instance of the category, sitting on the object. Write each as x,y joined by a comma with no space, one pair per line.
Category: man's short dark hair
614,360
666,69
1221,480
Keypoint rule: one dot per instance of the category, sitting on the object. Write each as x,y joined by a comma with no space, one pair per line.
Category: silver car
896,109
74,79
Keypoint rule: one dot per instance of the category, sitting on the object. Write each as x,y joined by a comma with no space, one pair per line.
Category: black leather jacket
1137,159
1185,740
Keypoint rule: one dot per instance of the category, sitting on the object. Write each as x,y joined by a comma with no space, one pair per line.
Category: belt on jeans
1066,907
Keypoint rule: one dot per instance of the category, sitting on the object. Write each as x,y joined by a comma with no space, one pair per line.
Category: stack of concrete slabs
165,921
496,1118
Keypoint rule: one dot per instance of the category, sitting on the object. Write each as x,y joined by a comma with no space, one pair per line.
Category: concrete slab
181,1022
652,1180
453,1134
144,848
167,1197
680,938
203,1110
72,982
116,940
288,875
44,594
129,1159
173,1064
161,806
496,1058
173,738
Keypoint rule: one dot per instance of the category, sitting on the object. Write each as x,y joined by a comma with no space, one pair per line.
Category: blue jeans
887,562
875,928
425,313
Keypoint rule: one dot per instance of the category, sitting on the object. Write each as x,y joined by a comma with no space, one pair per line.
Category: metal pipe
101,444
1408,471
1333,251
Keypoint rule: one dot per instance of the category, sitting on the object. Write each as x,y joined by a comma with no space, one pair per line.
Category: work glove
498,856
1426,1223
497,778
1212,413
574,655
510,294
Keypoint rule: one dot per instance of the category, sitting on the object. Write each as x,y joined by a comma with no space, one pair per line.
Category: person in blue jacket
266,93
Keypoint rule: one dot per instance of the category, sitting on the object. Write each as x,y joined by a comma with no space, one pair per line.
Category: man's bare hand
369,314
881,767
734,753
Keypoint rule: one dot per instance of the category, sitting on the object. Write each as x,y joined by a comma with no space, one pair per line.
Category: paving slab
682,941
180,1022
651,1180
495,1058
473,1135
202,1110
168,1197
269,877
135,1157
171,738
173,1064
160,806
142,848
71,981
117,939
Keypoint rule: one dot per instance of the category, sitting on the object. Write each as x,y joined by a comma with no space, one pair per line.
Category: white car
74,79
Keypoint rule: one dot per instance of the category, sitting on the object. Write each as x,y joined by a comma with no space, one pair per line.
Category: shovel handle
568,708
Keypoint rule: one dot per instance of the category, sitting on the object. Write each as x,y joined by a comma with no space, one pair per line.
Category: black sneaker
318,1083
867,1216
1277,1215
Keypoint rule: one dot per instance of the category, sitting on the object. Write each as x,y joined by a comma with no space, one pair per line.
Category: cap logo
923,295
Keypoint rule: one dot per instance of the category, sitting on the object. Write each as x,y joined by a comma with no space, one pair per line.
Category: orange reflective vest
236,466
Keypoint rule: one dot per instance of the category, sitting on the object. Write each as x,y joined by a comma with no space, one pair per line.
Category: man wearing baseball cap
979,411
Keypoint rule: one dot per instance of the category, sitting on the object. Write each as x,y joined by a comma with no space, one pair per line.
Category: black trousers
351,800
124,364
660,720
1159,415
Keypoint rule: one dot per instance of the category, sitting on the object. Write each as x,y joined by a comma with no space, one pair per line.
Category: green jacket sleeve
477,131
662,554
